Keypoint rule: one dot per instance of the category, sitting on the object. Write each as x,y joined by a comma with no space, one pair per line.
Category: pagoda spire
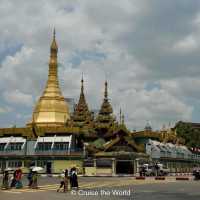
82,85
82,115
82,95
54,33
120,116
51,108
52,83
54,44
106,91
106,107
123,119
105,116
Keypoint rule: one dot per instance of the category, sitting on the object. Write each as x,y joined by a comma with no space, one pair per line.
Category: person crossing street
64,182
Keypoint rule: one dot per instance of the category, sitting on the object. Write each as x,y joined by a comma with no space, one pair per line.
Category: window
15,146
2,145
14,164
61,146
44,146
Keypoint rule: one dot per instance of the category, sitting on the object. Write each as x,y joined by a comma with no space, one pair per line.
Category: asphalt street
108,188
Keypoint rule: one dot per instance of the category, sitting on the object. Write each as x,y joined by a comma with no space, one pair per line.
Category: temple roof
105,116
82,115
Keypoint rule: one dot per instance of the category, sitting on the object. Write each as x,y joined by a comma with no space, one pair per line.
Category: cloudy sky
149,51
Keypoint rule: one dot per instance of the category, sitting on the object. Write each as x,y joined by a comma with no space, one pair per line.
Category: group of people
67,178
15,181
70,177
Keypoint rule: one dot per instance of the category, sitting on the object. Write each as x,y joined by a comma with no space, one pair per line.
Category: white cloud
5,109
130,39
185,87
156,105
187,44
17,97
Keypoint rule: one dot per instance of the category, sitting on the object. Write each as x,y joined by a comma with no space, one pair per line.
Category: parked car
163,171
146,170
157,169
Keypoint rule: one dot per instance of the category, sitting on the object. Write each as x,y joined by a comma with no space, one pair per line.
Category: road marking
8,191
91,185
48,185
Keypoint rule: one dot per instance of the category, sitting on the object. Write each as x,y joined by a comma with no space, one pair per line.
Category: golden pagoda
51,109
82,116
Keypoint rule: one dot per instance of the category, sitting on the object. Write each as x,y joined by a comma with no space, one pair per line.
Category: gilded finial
54,33
53,44
82,86
123,119
120,116
106,90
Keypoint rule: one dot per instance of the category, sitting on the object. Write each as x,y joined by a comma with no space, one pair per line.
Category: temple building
59,136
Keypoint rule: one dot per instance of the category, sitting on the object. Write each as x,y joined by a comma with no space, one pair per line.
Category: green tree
190,134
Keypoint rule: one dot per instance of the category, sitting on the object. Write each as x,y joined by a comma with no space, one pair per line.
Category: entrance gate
124,167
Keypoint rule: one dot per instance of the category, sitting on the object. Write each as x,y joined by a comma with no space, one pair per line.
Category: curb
182,178
140,177
160,178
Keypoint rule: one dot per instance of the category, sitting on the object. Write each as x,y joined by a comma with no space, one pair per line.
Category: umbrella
36,169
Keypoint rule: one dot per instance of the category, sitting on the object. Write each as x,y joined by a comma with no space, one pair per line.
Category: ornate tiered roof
105,118
82,116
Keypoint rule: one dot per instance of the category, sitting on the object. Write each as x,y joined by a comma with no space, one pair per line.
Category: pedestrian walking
34,179
157,169
73,178
30,178
64,182
18,178
5,183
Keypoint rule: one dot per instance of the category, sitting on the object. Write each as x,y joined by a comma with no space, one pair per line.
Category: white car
163,171
150,170
147,170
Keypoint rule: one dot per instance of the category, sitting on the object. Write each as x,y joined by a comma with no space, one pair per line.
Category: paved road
109,188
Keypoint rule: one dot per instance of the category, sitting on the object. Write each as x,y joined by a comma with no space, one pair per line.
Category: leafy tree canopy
189,133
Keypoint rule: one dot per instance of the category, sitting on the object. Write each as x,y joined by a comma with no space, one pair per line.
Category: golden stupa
51,109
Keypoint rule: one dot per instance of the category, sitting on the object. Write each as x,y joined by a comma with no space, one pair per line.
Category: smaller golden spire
82,86
123,119
82,116
105,118
120,116
106,91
